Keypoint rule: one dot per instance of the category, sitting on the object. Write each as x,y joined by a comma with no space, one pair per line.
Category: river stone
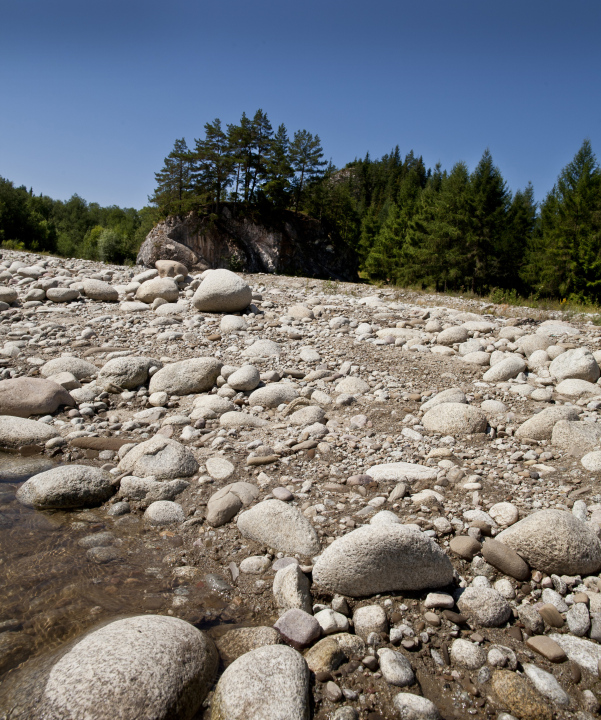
326,655
227,501
402,471
245,379
576,436
164,288
75,366
100,290
219,468
352,386
232,323
241,420
540,426
592,461
164,512
269,683
517,695
307,416
150,490
61,294
555,542
530,344
150,666
395,668
505,559
281,526
485,605
291,589
125,373
262,348
382,558
8,294
222,291
170,268
235,643
185,377
452,335
452,395
577,388
454,418
26,396
67,486
273,395
546,684
585,653
506,369
16,432
468,654
415,707
159,457
579,364
504,513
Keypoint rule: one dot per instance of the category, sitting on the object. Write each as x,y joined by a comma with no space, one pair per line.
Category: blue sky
93,94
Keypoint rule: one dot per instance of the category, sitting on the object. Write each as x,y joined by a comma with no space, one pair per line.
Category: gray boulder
26,396
485,605
150,490
506,369
222,291
273,395
262,348
225,503
307,416
186,376
281,526
415,707
452,335
16,432
382,558
531,343
164,512
540,426
76,366
125,373
152,667
245,378
62,294
555,541
100,290
269,683
68,486
455,418
452,395
161,458
8,295
158,287
576,436
578,363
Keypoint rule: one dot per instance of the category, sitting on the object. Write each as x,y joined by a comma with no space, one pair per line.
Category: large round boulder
508,368
125,373
152,667
186,377
161,458
540,426
555,541
170,268
100,290
281,526
158,287
454,418
382,558
269,683
74,365
222,291
16,432
26,396
8,294
67,486
578,364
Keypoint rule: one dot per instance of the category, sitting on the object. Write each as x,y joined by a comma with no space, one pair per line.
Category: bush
110,247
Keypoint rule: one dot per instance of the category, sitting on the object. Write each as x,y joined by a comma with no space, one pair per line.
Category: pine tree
306,158
262,134
174,181
564,258
240,149
214,163
278,170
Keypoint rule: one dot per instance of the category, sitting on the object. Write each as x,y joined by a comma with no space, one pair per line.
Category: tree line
72,228
248,164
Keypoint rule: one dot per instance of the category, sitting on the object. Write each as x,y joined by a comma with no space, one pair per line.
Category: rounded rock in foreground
485,605
278,525
16,432
455,419
26,396
155,667
164,512
592,461
415,707
158,287
222,291
185,377
555,541
68,486
161,458
382,558
269,683
74,365
100,290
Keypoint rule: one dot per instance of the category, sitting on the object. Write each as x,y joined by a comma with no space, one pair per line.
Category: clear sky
93,94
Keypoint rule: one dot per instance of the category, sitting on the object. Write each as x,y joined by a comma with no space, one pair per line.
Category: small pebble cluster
395,496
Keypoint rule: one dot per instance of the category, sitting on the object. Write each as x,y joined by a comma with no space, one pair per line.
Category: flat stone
547,647
415,707
585,653
26,396
65,487
465,546
235,643
401,471
16,432
546,684
505,559
516,694
298,628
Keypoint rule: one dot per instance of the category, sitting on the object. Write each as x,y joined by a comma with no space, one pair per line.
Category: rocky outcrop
286,244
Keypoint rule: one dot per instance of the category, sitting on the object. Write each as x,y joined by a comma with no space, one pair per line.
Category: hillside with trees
408,224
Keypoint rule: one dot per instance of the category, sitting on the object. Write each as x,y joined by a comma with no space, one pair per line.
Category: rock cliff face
288,245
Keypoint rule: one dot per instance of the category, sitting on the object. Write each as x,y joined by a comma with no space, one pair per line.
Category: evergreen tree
174,181
262,134
213,164
306,158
